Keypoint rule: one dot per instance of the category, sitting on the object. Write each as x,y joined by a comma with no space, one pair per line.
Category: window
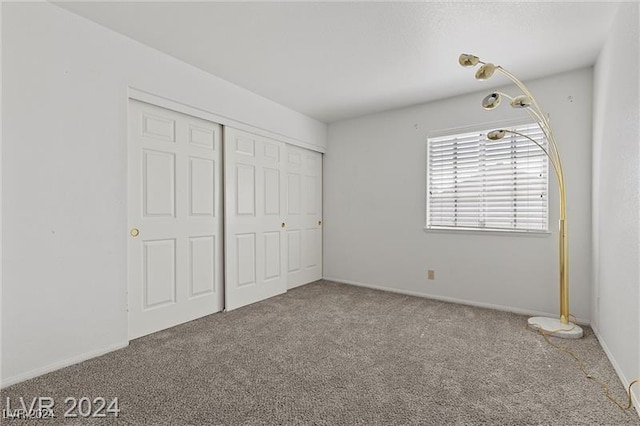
480,184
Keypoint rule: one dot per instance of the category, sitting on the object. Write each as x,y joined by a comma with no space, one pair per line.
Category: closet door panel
255,246
304,216
174,247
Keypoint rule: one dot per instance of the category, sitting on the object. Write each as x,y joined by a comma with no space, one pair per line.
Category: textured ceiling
338,60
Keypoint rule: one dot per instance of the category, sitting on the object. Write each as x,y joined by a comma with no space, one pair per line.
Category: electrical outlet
431,274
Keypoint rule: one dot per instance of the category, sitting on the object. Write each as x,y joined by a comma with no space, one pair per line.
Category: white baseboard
520,311
616,367
61,364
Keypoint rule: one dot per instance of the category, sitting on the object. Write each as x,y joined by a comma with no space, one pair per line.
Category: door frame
160,101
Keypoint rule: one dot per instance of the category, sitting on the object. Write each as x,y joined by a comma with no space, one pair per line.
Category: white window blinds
476,183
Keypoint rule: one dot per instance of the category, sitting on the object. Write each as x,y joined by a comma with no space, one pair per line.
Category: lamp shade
467,60
494,135
522,101
485,71
491,101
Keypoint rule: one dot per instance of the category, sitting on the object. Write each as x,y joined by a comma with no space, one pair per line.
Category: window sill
473,231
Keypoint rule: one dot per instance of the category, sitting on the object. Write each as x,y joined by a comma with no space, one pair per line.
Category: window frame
484,128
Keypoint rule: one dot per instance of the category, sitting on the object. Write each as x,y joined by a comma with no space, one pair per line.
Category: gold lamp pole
560,327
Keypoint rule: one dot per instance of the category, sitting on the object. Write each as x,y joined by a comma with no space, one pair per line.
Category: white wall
64,176
1,133
374,207
616,195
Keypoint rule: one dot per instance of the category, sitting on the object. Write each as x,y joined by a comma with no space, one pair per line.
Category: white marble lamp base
553,327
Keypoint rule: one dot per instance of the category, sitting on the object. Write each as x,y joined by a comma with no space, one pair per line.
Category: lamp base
553,327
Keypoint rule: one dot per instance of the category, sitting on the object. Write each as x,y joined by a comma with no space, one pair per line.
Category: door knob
134,232
319,222
283,225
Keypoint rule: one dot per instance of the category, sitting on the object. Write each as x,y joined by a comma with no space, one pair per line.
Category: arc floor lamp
562,326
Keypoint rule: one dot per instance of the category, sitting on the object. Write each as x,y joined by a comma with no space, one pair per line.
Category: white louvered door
175,218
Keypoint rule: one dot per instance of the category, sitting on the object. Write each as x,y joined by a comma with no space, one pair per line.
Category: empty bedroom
336,213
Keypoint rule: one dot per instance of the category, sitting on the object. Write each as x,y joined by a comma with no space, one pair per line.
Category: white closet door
304,216
175,218
254,218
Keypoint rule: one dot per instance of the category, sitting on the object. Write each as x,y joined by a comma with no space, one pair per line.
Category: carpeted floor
332,354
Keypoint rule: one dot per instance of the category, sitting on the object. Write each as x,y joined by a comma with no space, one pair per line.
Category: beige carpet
332,354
